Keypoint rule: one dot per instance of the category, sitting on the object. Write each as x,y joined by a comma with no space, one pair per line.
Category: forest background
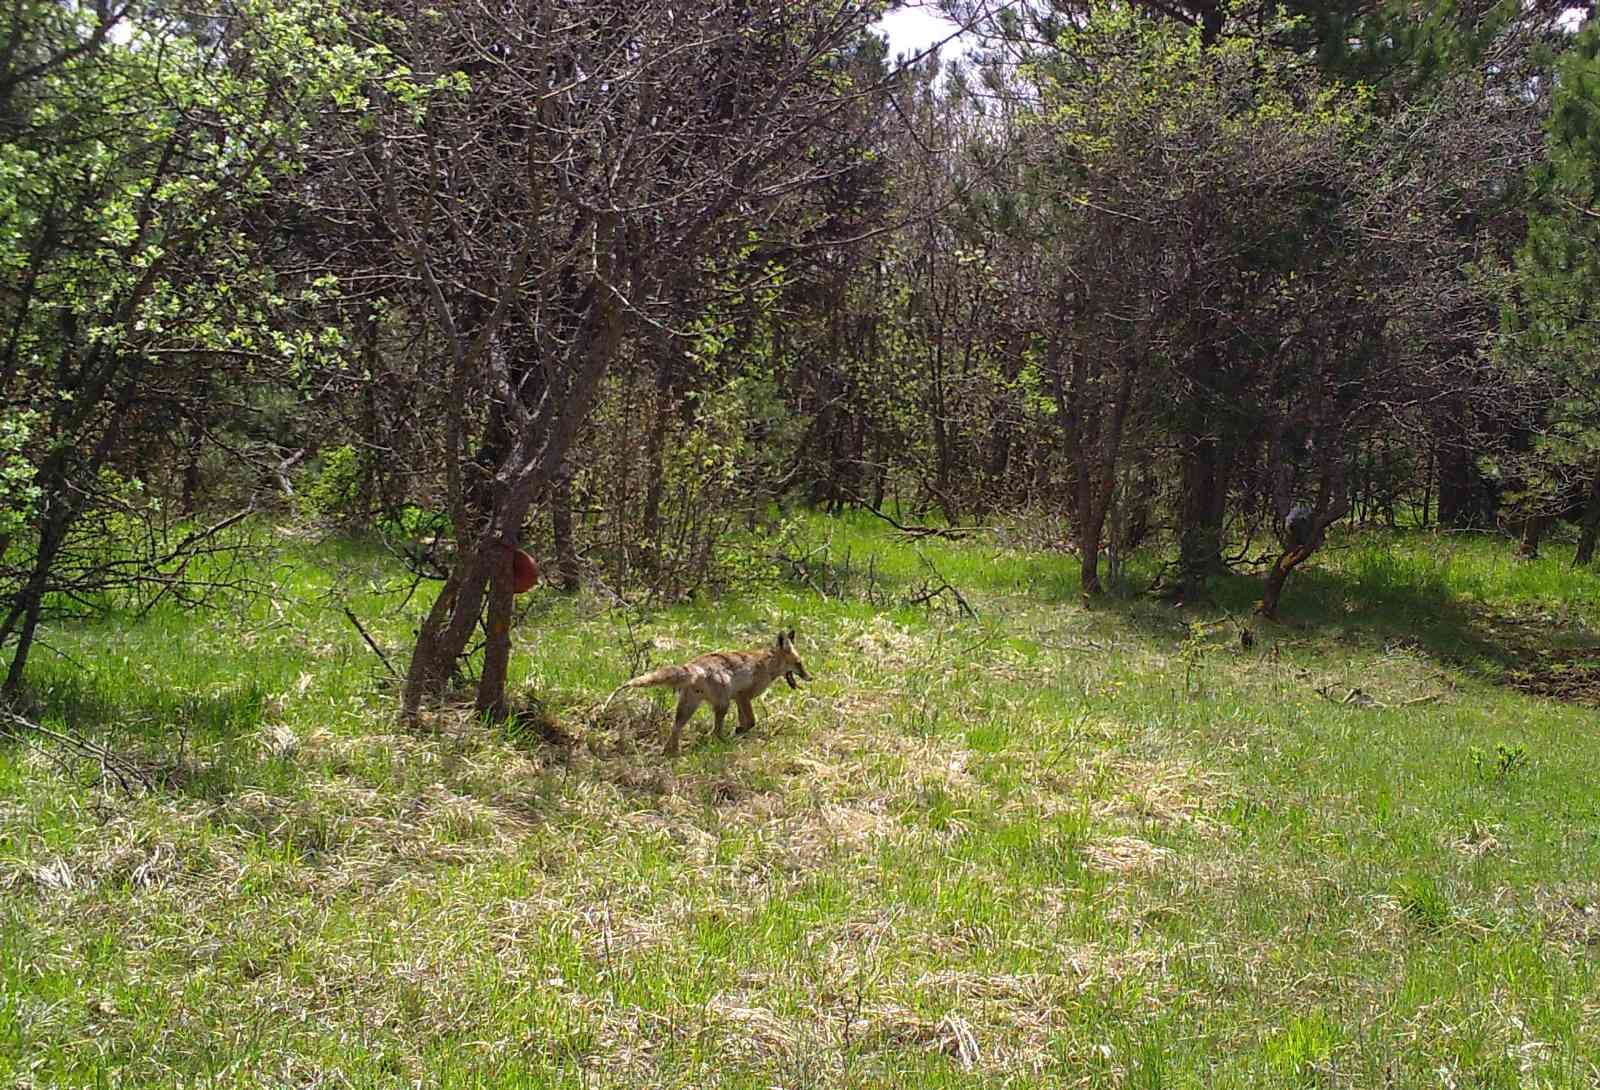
1099,391
616,284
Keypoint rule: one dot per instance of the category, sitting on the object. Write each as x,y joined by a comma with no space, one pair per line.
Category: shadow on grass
1460,600
1388,594
890,570
194,743
1428,616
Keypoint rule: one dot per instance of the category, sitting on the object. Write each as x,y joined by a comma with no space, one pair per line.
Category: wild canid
722,678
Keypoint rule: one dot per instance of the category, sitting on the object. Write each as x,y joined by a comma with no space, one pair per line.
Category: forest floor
1005,840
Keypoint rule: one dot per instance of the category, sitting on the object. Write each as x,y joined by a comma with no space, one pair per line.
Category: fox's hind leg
747,715
688,701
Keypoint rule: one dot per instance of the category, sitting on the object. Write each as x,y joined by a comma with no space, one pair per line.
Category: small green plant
1302,1047
1500,764
1193,653
1423,902
336,491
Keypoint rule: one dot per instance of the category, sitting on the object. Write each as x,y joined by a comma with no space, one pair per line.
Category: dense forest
624,284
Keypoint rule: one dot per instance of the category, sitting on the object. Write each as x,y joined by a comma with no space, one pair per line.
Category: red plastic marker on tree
524,571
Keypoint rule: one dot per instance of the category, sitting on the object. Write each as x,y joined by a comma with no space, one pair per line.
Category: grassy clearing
1047,845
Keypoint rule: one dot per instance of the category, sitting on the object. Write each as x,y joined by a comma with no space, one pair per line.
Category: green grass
1046,845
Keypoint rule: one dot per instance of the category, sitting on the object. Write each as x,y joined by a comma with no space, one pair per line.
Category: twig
1429,699
929,592
800,566
193,538
951,533
111,763
1361,699
376,650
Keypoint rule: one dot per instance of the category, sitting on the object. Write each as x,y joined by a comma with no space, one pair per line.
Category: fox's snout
792,659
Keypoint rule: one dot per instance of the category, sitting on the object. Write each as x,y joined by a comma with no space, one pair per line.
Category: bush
338,492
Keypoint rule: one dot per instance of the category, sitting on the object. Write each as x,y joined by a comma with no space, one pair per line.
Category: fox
721,678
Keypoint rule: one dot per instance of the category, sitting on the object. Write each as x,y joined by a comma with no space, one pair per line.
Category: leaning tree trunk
497,631
28,604
64,502
1272,585
543,439
1300,542
444,633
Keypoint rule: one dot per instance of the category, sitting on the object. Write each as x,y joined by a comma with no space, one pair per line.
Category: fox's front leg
687,703
722,713
747,715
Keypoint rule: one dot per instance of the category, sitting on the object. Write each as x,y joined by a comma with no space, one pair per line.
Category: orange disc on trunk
524,571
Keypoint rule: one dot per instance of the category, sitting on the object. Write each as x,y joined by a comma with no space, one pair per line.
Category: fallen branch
1414,701
376,650
930,592
111,763
1358,698
950,533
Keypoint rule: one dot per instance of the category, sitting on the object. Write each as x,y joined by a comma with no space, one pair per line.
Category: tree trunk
1208,449
534,459
1465,498
1092,505
1303,538
1089,566
64,504
497,632
1205,496
1427,492
193,448
1589,529
443,635
482,572
561,529
1272,585
28,604
1533,528
941,433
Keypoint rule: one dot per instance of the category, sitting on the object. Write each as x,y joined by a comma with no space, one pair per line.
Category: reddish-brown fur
721,678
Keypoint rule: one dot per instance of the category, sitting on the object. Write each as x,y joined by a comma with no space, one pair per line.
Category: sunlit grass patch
1040,845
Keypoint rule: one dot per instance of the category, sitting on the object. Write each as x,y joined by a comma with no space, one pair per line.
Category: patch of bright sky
911,30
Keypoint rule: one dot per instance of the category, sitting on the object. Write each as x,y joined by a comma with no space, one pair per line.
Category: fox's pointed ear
791,635
783,638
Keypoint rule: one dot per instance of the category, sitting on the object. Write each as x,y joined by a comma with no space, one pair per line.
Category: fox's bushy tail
667,675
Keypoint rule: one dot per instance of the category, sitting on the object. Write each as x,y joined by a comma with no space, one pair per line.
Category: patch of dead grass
1126,855
885,644
1155,792
1571,915
754,1033
1478,841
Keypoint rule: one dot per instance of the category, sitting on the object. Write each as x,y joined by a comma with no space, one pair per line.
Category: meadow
1005,839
